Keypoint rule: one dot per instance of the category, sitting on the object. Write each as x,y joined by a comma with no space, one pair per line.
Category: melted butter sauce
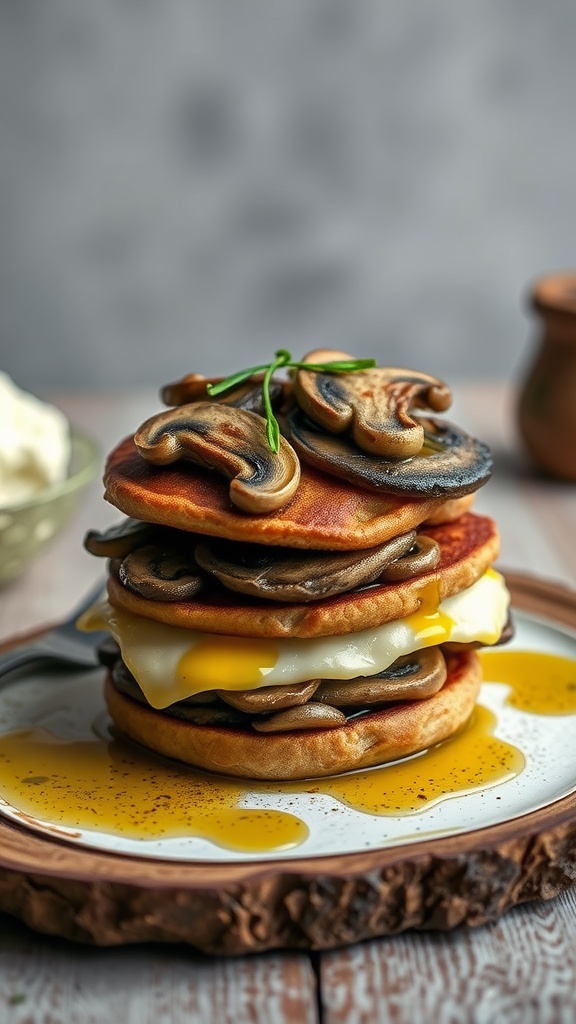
111,786
118,788
542,684
471,759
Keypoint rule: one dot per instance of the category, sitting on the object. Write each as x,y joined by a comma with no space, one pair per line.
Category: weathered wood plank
49,981
521,970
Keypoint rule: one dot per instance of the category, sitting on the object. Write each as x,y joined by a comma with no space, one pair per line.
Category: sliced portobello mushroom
374,406
265,699
161,573
231,441
450,464
118,540
279,574
422,557
411,677
305,716
247,395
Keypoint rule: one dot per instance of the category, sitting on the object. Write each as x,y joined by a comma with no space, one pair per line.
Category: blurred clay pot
547,402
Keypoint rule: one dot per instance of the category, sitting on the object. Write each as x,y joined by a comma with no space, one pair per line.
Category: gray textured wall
190,184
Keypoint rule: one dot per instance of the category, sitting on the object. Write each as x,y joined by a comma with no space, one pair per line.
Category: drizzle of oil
114,787
540,683
472,758
117,788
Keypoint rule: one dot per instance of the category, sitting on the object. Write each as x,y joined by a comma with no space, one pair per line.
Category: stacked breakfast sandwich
298,587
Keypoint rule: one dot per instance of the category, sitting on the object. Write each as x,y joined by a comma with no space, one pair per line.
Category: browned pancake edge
325,513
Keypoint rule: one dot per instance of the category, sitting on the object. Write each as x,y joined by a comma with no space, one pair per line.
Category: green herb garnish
284,359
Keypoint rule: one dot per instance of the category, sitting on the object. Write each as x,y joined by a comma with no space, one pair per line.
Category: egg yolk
231,663
430,625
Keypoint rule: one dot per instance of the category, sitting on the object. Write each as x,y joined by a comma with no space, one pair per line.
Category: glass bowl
28,528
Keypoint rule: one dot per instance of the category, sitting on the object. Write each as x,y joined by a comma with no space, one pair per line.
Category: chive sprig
283,360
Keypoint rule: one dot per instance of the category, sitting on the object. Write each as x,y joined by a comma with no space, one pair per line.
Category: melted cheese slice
171,663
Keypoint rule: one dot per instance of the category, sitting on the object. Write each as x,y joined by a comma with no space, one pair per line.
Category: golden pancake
325,513
468,547
370,739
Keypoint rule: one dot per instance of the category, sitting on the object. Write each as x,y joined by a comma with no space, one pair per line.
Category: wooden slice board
315,903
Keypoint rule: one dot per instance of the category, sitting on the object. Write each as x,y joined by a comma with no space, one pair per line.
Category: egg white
162,658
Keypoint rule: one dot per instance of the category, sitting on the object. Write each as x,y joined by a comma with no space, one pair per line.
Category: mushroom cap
279,574
233,442
265,699
302,716
422,557
452,464
118,540
410,677
374,406
162,572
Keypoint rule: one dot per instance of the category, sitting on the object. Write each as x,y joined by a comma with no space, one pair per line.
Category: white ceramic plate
71,705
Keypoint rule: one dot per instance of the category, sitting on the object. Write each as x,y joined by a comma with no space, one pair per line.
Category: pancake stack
302,612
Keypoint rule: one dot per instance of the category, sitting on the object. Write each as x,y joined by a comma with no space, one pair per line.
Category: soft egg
171,663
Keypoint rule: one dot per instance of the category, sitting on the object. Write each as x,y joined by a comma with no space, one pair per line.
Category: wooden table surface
522,968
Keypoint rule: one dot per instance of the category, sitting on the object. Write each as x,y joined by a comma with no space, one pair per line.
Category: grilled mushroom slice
230,440
422,557
161,573
269,698
279,574
118,540
451,463
305,716
247,395
373,405
411,677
